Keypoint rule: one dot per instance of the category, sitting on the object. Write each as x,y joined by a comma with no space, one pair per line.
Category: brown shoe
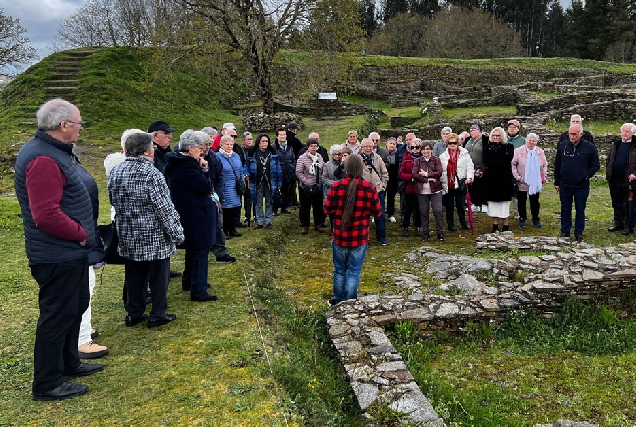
258,227
579,239
320,229
90,350
269,226
305,230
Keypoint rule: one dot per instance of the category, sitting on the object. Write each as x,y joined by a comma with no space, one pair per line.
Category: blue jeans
566,194
195,272
380,223
347,265
267,216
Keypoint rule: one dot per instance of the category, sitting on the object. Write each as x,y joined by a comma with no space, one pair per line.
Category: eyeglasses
416,147
452,142
375,140
337,154
82,124
234,136
496,135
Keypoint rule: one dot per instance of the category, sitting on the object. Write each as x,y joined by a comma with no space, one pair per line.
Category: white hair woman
529,168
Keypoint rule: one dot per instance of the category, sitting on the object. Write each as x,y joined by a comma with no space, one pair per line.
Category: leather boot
495,228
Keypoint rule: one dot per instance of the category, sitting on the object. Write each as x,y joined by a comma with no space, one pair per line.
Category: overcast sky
40,18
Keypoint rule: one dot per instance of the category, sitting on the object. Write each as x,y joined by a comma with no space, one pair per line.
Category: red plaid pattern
367,204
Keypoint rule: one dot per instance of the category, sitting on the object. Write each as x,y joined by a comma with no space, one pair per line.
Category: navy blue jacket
574,166
190,190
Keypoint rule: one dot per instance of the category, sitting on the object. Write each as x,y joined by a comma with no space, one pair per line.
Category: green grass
578,365
210,366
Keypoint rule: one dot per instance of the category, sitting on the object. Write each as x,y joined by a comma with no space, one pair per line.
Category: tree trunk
265,90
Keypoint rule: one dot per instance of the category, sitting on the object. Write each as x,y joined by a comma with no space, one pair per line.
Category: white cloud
41,18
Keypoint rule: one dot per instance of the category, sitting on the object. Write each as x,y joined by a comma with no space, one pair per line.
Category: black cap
292,125
158,125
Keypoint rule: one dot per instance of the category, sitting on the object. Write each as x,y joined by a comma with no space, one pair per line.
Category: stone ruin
376,370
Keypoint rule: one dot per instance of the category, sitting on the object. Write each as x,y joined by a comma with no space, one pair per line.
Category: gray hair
533,135
246,134
54,112
192,138
226,138
446,129
334,148
210,131
125,134
391,138
137,144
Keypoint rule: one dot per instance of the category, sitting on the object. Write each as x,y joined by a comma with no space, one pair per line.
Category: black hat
158,125
292,125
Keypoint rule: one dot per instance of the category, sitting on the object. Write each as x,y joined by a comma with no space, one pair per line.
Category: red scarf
451,168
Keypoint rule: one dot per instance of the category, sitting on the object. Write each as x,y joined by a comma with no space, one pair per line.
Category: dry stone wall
487,289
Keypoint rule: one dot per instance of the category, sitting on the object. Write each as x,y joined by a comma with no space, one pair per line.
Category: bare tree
14,47
257,29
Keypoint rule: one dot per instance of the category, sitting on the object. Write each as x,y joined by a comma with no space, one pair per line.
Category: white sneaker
392,219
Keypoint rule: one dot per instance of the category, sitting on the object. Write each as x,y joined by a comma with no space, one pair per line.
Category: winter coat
147,223
378,175
302,170
630,167
287,161
275,173
519,162
406,172
232,169
574,166
434,168
465,167
190,189
498,174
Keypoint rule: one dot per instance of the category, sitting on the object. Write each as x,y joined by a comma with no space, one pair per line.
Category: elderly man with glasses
575,164
376,173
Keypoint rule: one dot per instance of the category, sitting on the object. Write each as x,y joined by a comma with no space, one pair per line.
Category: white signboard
327,95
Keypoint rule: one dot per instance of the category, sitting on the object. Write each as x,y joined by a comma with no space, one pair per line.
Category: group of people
191,198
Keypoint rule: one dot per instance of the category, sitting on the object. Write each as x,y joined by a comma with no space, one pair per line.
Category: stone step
61,81
57,88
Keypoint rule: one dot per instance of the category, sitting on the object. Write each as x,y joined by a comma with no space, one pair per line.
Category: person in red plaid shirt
352,201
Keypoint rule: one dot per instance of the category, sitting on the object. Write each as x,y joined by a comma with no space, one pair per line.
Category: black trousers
63,298
411,206
618,193
307,204
141,274
391,192
455,200
230,218
534,205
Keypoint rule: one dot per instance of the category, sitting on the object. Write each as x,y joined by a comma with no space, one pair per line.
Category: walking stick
630,209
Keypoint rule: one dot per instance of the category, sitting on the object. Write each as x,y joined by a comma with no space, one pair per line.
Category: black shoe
579,239
441,236
627,232
405,232
132,321
465,226
383,242
418,232
235,234
225,259
614,228
332,302
174,274
204,298
426,237
65,390
452,229
505,228
167,318
84,369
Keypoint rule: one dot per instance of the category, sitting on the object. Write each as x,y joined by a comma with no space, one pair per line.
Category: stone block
365,393
416,405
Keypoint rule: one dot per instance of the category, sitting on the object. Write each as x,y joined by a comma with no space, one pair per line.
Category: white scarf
314,163
533,173
226,153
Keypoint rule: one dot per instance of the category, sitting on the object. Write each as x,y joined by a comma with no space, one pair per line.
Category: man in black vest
59,234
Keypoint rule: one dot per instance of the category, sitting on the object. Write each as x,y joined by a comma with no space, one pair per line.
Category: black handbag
313,190
241,186
401,188
108,234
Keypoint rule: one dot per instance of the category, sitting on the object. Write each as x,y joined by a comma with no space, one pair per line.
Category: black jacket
498,174
190,190
631,159
574,166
